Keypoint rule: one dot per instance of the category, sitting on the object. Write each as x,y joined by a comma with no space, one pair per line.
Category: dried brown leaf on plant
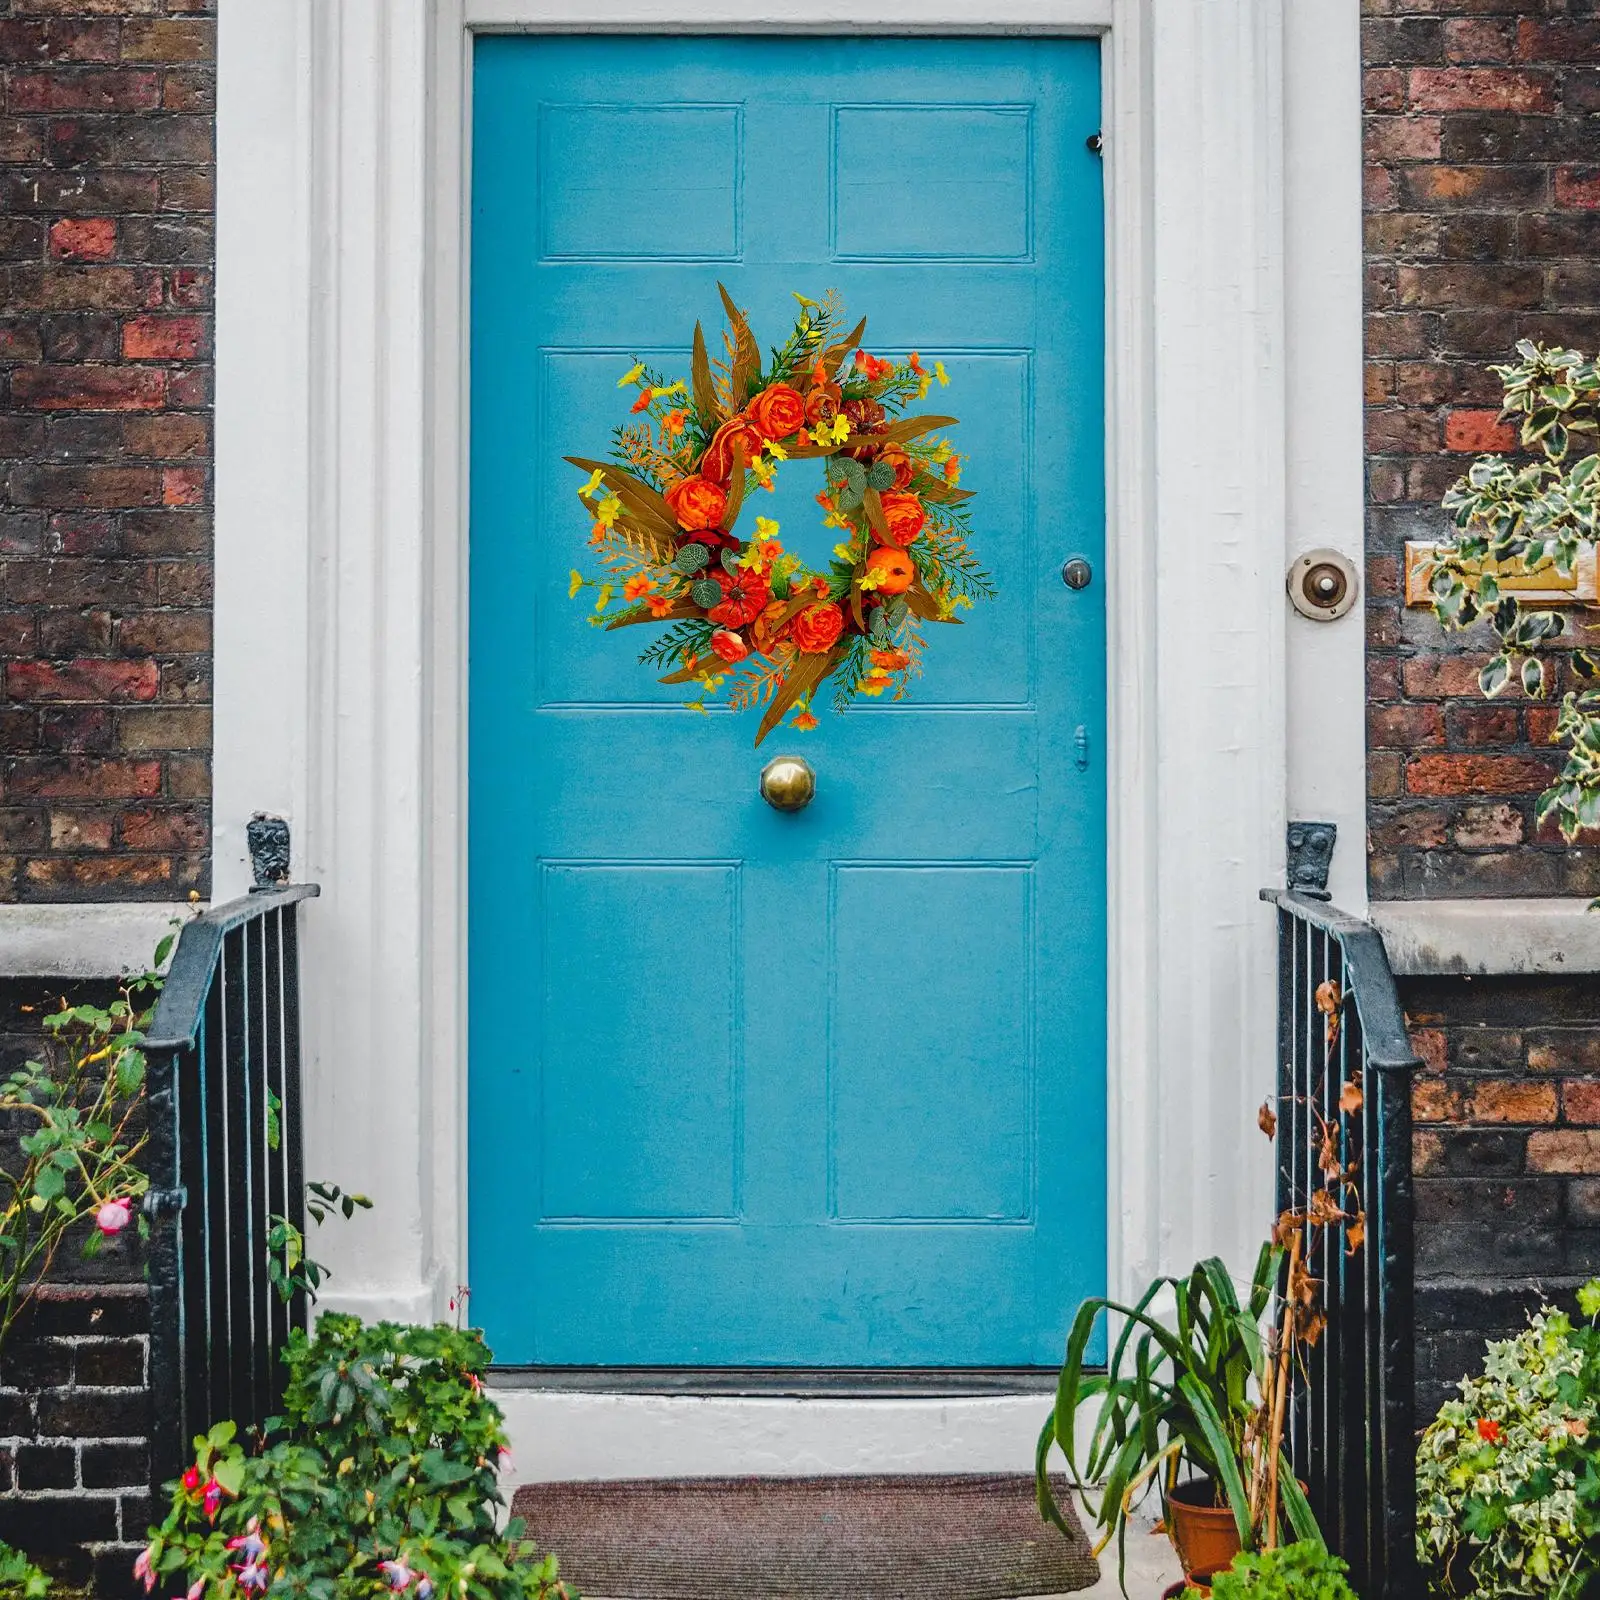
1351,1097
1356,1234
1267,1120
1329,998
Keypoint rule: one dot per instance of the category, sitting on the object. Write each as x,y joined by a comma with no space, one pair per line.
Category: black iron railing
225,1158
1345,1067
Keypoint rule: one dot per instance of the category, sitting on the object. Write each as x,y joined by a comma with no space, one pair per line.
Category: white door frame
341,594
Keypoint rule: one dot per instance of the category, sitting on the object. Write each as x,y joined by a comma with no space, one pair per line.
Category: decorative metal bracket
1310,855
267,839
165,1202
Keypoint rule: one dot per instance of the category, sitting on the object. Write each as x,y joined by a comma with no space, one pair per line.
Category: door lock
1077,573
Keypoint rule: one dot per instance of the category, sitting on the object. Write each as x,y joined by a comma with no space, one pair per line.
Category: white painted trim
562,1436
1326,689
1482,937
101,940
806,16
345,442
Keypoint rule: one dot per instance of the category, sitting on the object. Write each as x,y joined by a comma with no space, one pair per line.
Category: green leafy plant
81,1139
19,1578
1301,1571
1508,1474
78,1116
1189,1385
289,1269
381,1477
1518,518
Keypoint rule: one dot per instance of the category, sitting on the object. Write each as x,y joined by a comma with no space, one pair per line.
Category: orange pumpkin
894,570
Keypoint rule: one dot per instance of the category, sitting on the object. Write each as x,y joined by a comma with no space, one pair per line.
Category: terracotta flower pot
1187,1588
1203,1533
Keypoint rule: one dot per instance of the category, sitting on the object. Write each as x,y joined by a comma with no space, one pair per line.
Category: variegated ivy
1543,511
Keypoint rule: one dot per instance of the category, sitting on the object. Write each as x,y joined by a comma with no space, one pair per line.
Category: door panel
822,1089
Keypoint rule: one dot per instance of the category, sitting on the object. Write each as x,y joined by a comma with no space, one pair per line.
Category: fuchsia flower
396,1574
250,1541
191,1480
424,1586
114,1216
212,1499
505,1461
253,1575
196,1589
142,1569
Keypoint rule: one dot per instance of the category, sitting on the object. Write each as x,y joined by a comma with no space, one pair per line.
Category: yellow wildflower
838,432
574,583
940,373
632,375
596,478
766,528
609,509
603,599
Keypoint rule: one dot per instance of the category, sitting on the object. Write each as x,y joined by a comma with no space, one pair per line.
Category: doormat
837,1538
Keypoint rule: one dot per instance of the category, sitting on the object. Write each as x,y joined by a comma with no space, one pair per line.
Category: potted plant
1191,1401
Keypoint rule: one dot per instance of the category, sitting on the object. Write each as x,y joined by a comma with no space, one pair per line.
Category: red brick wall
1482,149
106,206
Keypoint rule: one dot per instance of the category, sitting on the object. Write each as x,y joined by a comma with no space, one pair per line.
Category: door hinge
1080,748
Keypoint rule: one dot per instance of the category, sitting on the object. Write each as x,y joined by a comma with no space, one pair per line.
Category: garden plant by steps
381,1478
1303,1571
78,1116
1508,1474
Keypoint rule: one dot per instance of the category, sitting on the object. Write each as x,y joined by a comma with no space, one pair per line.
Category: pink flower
212,1499
114,1216
396,1574
191,1480
253,1575
424,1586
505,1461
196,1589
142,1569
250,1541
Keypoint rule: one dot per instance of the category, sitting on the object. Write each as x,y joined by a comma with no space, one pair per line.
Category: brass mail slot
1541,584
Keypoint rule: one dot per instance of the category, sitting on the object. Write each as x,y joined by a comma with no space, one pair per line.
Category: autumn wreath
745,613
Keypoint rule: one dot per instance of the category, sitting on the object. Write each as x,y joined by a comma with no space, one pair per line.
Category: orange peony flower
729,645
744,597
893,570
717,462
817,628
905,517
822,404
777,412
697,503
905,469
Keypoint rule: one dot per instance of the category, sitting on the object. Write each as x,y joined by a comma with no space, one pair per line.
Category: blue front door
827,1088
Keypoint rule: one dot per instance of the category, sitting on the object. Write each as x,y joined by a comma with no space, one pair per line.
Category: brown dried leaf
1350,1098
1328,1161
746,353
1355,1235
1267,1120
705,391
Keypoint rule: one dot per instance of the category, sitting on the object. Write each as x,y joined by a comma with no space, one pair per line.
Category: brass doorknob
788,783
